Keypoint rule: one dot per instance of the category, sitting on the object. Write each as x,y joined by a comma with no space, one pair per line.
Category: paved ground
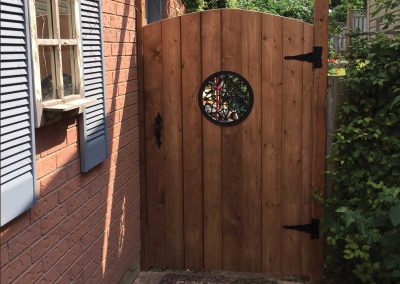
209,277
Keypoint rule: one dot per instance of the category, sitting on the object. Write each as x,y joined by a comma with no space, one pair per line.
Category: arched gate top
228,10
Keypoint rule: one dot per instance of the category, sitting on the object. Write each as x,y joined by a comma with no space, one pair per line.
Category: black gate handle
157,129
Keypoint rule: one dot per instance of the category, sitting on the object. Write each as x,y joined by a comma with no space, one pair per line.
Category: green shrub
299,9
200,5
362,214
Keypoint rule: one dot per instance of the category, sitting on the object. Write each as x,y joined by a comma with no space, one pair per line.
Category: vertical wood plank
36,66
155,206
321,16
272,60
76,22
306,150
291,151
253,177
172,144
57,49
232,150
251,141
192,141
212,175
140,22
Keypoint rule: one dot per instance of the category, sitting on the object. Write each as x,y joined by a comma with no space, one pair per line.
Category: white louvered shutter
16,112
93,129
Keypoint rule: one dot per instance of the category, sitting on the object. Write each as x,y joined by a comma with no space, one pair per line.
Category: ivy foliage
362,214
299,9
200,5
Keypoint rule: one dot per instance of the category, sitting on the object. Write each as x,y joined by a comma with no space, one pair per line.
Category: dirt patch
212,277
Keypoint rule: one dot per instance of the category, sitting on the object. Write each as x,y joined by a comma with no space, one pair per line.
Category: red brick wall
85,227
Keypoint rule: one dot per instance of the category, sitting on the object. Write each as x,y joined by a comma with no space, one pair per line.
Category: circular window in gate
226,98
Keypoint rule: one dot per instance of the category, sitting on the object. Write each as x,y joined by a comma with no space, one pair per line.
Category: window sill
68,105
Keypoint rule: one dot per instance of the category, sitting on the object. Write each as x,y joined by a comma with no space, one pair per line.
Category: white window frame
61,103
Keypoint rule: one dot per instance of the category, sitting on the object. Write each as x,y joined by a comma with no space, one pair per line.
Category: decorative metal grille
226,98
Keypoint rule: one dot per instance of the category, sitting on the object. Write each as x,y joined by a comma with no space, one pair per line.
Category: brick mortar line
73,143
70,163
59,226
127,130
52,230
102,234
112,249
66,236
112,139
121,82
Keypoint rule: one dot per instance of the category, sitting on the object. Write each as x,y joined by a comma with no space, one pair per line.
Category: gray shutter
93,128
16,112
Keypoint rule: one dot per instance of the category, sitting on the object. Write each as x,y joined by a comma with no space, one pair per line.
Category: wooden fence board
232,151
192,141
306,141
172,128
212,169
272,143
217,197
251,145
291,143
321,19
155,208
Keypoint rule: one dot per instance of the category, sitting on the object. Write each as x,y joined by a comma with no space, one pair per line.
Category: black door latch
157,129
314,57
312,228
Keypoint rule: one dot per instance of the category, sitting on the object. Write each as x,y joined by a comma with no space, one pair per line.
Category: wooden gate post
321,13
140,22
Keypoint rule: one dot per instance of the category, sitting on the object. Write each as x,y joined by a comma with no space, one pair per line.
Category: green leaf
394,214
341,210
348,220
396,273
395,102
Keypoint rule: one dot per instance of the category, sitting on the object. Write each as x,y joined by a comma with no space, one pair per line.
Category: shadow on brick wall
85,227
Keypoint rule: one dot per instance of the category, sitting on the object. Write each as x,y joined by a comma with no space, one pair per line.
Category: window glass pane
43,19
69,66
65,17
47,72
154,10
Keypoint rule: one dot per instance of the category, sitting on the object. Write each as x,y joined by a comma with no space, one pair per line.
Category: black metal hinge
314,57
312,228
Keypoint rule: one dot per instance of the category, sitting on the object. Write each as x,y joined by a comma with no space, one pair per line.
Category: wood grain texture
35,66
291,146
155,206
251,145
172,144
306,142
232,217
78,48
321,18
272,60
192,141
217,197
212,168
55,10
140,22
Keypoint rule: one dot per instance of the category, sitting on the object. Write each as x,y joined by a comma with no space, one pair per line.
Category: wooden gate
218,197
